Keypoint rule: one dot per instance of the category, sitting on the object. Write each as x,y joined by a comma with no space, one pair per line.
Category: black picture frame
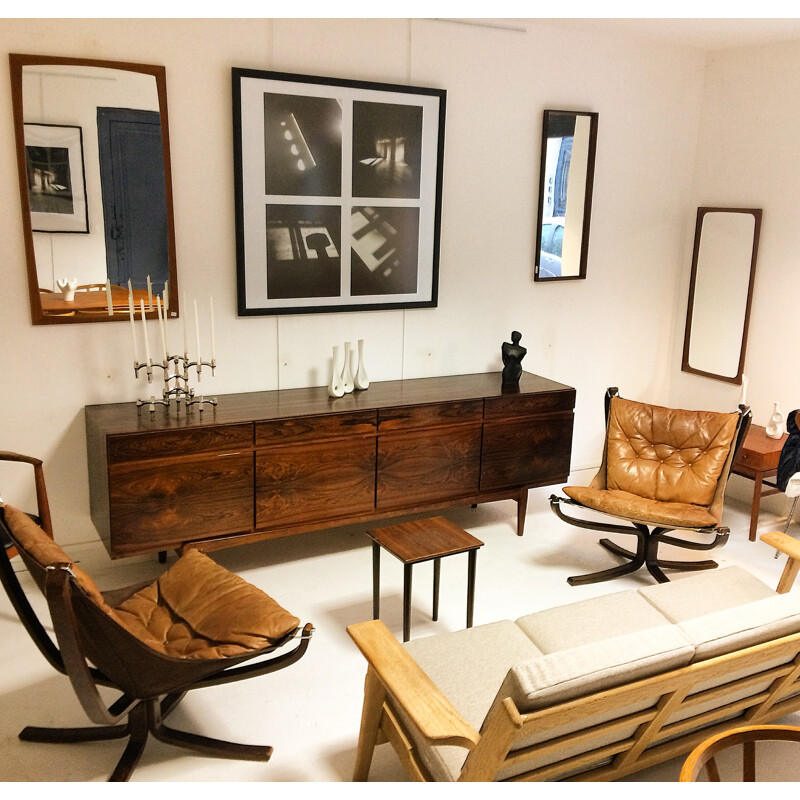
56,178
338,193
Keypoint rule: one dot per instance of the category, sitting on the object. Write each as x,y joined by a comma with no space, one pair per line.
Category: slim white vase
361,379
775,427
347,374
336,387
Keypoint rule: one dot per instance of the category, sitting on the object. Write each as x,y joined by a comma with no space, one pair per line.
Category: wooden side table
415,542
758,459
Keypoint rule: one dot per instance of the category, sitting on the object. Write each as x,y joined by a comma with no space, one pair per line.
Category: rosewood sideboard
268,464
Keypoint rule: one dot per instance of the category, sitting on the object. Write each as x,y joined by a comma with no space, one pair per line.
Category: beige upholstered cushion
569,674
591,620
705,593
467,666
743,626
642,509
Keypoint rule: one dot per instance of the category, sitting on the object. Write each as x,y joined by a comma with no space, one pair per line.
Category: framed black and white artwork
338,193
56,180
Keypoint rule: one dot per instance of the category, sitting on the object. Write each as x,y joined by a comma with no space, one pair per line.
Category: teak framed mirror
721,292
93,157
566,180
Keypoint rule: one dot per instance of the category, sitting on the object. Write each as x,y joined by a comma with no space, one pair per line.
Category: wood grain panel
435,414
302,429
185,442
534,451
427,465
314,482
511,405
156,506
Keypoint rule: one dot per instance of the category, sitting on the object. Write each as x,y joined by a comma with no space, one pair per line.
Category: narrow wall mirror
721,292
92,142
566,178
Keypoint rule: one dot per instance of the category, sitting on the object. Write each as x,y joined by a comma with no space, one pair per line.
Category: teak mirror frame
17,62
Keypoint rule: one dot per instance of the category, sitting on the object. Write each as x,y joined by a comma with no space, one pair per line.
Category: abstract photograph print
338,193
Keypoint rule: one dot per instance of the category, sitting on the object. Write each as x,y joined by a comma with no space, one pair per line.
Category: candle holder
175,371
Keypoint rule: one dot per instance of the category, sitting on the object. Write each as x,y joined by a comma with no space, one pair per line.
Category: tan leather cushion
45,552
198,609
642,509
665,454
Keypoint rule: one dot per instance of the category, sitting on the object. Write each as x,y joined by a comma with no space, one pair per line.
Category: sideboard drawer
138,446
517,405
429,416
299,429
163,504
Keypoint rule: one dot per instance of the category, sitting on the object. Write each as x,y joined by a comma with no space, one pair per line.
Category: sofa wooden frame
395,681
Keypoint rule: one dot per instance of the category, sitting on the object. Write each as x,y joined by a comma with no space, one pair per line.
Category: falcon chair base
192,628
648,539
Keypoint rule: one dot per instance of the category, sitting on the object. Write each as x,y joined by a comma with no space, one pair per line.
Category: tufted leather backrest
665,454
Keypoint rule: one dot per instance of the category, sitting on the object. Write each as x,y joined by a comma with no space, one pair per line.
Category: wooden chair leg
374,697
137,720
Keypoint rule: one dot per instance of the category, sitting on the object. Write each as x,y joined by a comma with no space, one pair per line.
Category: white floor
310,712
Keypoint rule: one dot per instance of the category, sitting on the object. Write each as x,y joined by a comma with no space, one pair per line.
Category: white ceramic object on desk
347,374
67,288
361,379
775,428
336,388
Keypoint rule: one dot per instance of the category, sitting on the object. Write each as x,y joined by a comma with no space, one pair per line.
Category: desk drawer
518,405
301,429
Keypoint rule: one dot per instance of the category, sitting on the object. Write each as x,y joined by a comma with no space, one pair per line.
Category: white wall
615,328
748,157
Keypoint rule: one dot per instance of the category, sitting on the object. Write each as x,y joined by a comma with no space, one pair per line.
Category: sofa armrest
785,544
432,713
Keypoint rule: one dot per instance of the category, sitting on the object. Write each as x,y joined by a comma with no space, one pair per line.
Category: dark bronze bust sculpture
513,353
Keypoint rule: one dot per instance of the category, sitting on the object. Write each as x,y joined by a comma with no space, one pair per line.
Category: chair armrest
432,713
791,547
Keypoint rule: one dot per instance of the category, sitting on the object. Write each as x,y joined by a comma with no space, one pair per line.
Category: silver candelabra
175,368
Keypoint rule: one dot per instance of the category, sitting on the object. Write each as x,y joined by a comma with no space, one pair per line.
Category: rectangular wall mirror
92,142
566,178
721,292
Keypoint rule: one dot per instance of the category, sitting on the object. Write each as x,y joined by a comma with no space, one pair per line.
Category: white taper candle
211,309
149,293
146,340
108,299
133,336
163,328
185,338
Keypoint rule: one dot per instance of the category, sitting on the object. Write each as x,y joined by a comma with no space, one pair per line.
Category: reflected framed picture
338,193
56,178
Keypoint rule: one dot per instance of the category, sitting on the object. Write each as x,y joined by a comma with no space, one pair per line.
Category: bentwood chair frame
85,633
650,536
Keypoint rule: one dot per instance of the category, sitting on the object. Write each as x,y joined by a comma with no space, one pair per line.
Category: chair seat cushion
592,620
642,509
198,609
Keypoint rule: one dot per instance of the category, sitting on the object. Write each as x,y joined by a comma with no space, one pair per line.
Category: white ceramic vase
775,428
347,373
361,379
336,387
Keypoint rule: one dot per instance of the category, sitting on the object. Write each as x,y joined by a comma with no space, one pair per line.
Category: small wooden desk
758,459
417,541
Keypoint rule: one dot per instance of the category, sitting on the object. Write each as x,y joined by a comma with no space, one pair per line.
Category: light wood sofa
591,691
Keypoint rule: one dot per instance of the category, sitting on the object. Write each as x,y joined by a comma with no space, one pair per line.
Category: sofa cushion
569,674
706,593
743,626
467,666
592,620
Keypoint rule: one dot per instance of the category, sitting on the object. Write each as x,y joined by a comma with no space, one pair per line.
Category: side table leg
757,486
471,565
437,571
522,507
376,580
407,601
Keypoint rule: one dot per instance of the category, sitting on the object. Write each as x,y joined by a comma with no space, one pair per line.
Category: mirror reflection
721,292
93,157
569,141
